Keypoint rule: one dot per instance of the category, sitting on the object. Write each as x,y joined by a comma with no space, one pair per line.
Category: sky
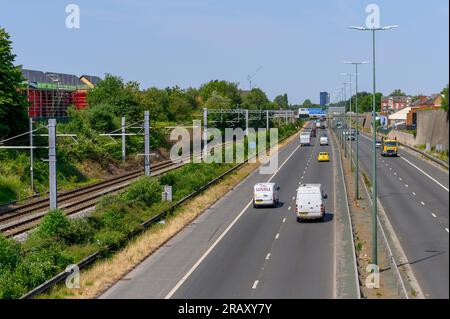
300,45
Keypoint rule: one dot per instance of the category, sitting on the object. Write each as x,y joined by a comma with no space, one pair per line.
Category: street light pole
374,129
357,128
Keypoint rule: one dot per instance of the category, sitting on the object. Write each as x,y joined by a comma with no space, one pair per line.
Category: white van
309,202
323,140
265,194
305,138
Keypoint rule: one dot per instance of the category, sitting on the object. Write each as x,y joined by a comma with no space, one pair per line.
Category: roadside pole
267,120
147,143
123,140
205,131
31,155
246,123
52,164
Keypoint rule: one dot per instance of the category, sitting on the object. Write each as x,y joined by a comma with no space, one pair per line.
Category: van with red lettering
266,194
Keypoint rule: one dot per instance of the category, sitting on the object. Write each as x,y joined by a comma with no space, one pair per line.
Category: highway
414,194
236,251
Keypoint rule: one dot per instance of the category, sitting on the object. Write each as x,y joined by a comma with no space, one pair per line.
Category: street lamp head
350,62
373,29
390,27
358,28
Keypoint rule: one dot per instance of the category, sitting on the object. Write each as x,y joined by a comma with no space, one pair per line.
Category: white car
378,144
323,140
309,202
266,194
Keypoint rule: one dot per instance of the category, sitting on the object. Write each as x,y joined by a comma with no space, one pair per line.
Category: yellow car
323,157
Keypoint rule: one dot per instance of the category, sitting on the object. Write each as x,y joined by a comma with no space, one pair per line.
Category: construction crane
250,77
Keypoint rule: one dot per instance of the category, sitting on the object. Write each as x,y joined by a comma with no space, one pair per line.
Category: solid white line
268,256
255,284
426,174
206,253
277,236
446,230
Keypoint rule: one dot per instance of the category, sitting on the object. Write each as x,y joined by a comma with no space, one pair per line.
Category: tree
223,88
156,101
444,105
13,100
256,99
307,103
217,101
397,92
281,101
123,98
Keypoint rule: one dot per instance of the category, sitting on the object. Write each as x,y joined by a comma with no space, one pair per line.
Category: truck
389,147
305,138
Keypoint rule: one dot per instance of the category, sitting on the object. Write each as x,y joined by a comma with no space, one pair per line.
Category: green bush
107,237
9,252
54,225
41,264
101,119
145,191
79,231
10,287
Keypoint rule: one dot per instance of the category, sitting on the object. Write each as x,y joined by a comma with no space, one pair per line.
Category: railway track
22,218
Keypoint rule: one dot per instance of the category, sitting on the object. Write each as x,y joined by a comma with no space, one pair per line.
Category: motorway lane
158,274
301,260
417,208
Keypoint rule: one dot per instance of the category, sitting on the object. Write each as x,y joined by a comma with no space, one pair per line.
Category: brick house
392,104
432,102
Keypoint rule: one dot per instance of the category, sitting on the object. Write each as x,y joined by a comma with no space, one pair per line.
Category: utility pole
205,132
267,120
147,143
123,140
31,156
246,123
52,164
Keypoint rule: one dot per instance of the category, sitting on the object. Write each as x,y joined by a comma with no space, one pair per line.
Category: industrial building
51,94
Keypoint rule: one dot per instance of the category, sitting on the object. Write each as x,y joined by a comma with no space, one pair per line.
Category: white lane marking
426,174
255,284
399,178
390,168
434,215
446,230
277,236
206,253
422,203
293,197
284,220
289,208
414,193
268,256
395,173
406,185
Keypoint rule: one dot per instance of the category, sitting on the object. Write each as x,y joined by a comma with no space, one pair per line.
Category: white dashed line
434,215
446,230
427,175
414,193
406,185
284,220
390,168
399,178
289,208
268,256
395,173
255,284
293,197
422,203
277,236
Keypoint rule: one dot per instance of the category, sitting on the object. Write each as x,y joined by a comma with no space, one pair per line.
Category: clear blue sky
300,44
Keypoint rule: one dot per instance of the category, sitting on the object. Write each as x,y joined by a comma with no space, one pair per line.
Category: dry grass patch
103,274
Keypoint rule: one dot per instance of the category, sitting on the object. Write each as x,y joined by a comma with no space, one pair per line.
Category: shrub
79,231
107,237
101,119
55,225
10,287
9,189
145,190
9,252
